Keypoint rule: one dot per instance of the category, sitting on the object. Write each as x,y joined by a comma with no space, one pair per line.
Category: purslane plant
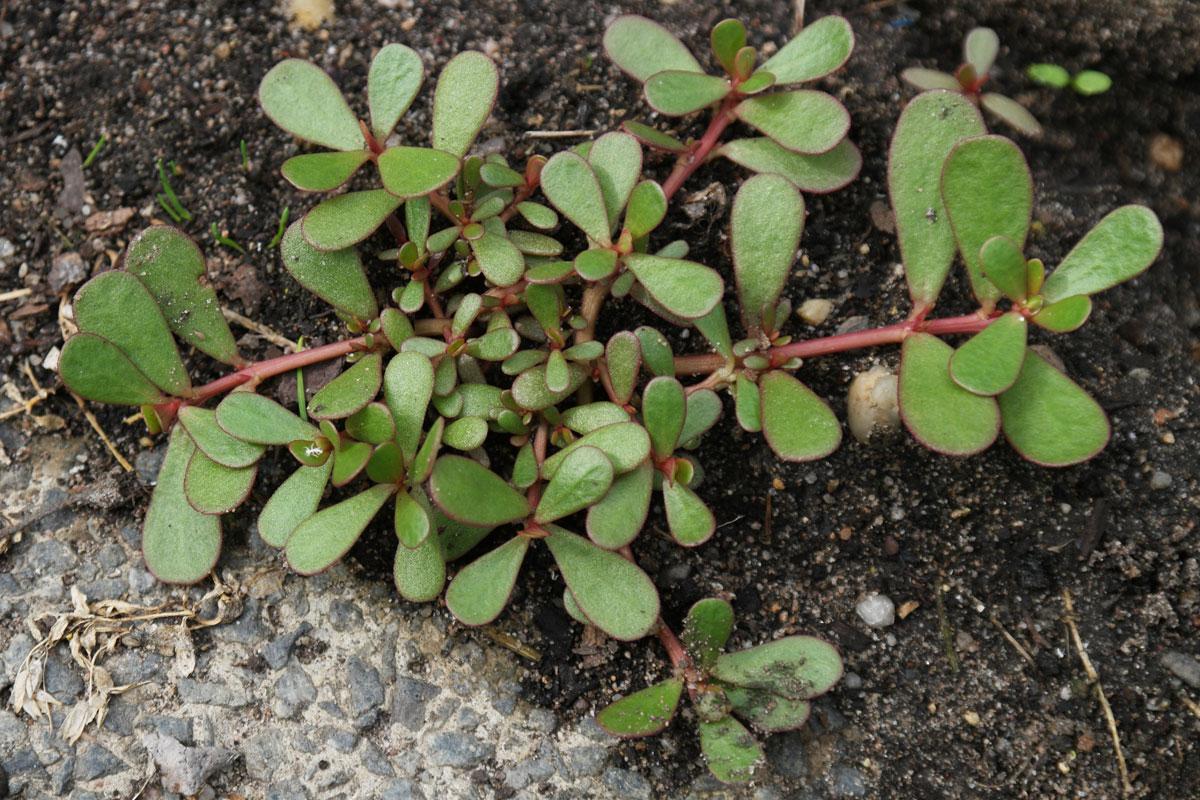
980,48
488,340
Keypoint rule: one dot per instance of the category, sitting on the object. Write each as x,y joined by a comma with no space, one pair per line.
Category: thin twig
272,336
1008,637
1191,704
944,627
95,423
558,134
512,643
1094,679
15,294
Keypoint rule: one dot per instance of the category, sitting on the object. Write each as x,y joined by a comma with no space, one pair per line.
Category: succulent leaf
571,186
1121,246
616,160
180,544
323,172
819,49
798,425
480,590
420,573
643,713
466,90
1012,113
349,392
617,518
254,418
320,541
641,47
929,79
706,629
980,49
685,288
690,522
95,368
584,477
988,363
1065,315
468,492
411,521
201,425
767,712
213,488
942,415
664,406
732,754
1004,265
802,121
393,81
654,138
303,100
819,174
409,172
296,499
1048,419
799,667
765,229
678,92
626,444
623,359
337,277
407,388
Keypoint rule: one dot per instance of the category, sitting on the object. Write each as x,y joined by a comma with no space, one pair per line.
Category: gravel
1182,666
460,750
876,610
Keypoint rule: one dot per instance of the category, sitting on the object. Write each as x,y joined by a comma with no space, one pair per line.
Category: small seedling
167,199
1087,82
980,49
223,240
280,229
485,340
94,153
245,153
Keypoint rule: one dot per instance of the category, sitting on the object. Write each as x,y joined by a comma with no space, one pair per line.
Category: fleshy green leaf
584,477
819,49
349,392
799,667
703,410
392,83
1011,112
614,593
321,540
616,160
595,264
303,100
480,590
679,92
422,463
296,499
727,38
626,444
1121,246
664,406
651,137
571,185
988,363
706,629
95,368
386,465
465,93
336,277
976,215
942,415
684,288
714,327
767,712
1003,264
531,388
201,425
623,358
643,713
818,174
345,220
420,573
407,387
180,544
1049,75
1065,315
350,458
558,376
929,79
798,425
538,215
212,488
803,121
415,171
617,518
647,207
641,48
466,433
747,404
732,753
928,129
495,345
170,265
254,418
372,424
980,49
1048,419
1089,82
499,259
411,521
469,492
765,229
323,172
689,520
535,244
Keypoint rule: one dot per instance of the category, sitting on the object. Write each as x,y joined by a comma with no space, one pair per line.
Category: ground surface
330,687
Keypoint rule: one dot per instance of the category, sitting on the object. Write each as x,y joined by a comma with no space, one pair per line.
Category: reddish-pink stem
276,366
691,160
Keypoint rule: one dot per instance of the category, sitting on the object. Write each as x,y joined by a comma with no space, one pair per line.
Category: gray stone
467,719
1183,666
409,700
365,688
402,789
375,760
848,782
344,615
49,557
111,555
342,741
185,770
62,777
95,761
586,760
177,728
248,629
286,791
542,720
626,784
279,649
61,679
140,581
785,754
133,666
531,770
121,715
1161,480
104,588
294,691
214,694
461,750
263,753
877,610
147,463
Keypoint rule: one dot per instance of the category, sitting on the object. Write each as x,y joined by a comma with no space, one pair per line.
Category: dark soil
1003,539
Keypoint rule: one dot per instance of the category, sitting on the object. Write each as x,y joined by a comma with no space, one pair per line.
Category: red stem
691,160
262,370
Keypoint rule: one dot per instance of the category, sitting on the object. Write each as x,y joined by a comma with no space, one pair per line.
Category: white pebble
877,610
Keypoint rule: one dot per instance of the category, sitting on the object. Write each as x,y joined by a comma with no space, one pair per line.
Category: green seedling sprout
1086,82
223,240
280,229
245,153
483,336
94,153
980,48
167,199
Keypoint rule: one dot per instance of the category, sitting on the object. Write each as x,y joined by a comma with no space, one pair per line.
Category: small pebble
815,310
972,719
1166,152
871,404
877,610
1160,480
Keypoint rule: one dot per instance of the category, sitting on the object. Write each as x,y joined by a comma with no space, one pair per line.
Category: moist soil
976,552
